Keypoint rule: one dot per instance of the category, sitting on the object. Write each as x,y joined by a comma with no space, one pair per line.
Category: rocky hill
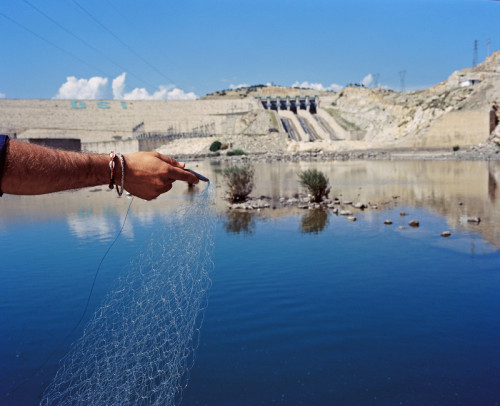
460,111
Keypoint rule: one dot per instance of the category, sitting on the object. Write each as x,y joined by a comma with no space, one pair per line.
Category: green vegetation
456,147
240,181
315,182
215,146
236,152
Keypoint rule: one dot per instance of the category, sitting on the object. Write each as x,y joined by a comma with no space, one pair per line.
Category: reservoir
304,306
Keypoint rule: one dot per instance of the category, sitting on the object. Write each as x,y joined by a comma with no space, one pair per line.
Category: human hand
149,174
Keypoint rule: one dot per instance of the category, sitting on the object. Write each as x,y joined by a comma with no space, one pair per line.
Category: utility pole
402,74
474,59
488,47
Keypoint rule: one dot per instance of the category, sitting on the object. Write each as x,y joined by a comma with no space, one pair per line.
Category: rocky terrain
457,114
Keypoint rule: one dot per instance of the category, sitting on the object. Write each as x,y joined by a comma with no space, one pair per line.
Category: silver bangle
122,162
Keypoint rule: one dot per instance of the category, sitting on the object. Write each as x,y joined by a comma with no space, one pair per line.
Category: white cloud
367,80
2,95
139,93
97,88
163,93
317,86
73,88
118,86
233,87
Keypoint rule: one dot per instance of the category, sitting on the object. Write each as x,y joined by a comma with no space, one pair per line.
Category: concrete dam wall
94,125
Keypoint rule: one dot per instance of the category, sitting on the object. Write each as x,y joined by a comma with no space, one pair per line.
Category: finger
171,161
181,174
166,188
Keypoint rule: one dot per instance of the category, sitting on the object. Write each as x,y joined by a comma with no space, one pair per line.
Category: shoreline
482,152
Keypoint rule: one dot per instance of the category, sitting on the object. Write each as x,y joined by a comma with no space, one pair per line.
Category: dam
129,125
303,119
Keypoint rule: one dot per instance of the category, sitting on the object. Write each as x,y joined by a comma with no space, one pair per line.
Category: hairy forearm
31,169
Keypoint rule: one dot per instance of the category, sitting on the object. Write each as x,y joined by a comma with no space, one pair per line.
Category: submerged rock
403,213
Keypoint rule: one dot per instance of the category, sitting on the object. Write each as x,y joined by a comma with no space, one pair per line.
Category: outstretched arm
32,169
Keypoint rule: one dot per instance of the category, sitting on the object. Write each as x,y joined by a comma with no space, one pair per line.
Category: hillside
460,111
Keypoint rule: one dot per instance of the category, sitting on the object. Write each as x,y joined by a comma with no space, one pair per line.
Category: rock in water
476,220
414,223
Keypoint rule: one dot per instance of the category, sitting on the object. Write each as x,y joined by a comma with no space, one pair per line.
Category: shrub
240,181
456,147
236,152
215,146
315,182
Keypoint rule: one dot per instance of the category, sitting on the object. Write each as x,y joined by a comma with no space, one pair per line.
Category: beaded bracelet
112,168
122,162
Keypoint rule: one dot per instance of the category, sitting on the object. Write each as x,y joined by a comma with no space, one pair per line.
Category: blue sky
184,49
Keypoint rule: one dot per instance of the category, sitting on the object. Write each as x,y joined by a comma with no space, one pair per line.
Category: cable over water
139,346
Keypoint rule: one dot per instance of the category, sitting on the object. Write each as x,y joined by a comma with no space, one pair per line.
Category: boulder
351,218
414,223
445,234
476,220
387,222
345,213
360,205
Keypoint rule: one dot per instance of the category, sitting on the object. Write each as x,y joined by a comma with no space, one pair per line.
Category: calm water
305,307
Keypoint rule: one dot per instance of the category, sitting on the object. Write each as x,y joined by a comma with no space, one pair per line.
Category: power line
121,42
85,43
53,44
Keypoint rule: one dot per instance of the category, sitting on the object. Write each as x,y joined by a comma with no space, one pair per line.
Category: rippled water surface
305,307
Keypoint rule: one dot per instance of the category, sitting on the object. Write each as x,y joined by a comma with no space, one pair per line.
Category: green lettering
103,105
76,104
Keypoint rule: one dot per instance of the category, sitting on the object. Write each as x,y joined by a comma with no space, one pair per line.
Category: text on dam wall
103,105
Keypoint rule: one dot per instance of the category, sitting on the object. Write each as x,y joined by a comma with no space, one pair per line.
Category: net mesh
139,346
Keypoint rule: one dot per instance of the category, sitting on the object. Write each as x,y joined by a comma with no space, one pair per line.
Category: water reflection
454,189
239,222
314,221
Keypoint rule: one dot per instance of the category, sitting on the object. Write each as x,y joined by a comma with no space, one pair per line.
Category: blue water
352,313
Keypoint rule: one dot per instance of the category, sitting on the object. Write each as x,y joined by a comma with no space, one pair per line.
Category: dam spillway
301,119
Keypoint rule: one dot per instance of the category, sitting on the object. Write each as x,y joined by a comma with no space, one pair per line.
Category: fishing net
139,346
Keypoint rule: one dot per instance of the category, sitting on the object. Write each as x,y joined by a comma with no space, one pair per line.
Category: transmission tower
402,74
488,47
474,59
